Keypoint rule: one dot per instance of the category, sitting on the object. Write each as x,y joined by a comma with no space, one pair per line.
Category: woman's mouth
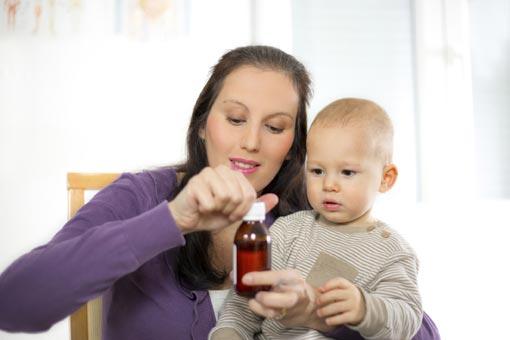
244,166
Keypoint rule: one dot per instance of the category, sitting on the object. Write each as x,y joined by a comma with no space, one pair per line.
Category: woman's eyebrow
233,101
281,114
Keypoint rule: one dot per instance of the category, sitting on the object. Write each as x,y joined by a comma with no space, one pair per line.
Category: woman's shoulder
135,192
159,183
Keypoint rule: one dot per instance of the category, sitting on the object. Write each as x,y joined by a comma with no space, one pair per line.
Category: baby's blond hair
360,113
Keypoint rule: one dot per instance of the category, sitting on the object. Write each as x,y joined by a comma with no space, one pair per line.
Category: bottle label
234,264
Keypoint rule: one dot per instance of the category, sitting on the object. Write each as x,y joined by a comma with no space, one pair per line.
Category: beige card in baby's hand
328,267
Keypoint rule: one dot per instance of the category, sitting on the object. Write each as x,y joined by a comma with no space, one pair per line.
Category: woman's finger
288,278
233,190
200,192
270,200
218,186
261,310
277,299
248,196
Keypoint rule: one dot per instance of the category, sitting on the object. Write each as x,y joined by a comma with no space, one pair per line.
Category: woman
157,245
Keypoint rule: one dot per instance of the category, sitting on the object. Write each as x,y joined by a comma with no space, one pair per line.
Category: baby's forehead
354,141
340,129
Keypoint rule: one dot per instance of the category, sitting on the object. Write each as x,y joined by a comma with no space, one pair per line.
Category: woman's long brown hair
194,267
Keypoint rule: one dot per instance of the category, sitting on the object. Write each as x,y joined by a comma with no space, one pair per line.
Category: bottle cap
257,212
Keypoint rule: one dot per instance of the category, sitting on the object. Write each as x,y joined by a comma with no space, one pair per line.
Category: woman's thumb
270,200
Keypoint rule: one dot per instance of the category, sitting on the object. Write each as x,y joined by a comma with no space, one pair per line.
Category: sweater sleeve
122,227
393,305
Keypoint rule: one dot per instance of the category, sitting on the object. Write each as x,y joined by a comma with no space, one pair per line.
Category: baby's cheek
311,192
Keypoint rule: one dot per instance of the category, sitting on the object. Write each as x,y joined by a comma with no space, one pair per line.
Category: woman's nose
251,139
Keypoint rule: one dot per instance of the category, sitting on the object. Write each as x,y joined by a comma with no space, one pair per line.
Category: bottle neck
253,221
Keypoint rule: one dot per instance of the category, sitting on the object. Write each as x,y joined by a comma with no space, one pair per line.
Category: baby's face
343,173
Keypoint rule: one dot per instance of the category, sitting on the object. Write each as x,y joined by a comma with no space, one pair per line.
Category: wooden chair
86,321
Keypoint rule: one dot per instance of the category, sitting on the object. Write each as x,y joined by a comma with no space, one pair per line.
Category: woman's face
250,127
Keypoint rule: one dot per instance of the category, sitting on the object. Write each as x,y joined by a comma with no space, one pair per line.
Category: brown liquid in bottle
252,250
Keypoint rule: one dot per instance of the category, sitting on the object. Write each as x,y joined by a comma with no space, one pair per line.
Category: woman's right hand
291,299
214,199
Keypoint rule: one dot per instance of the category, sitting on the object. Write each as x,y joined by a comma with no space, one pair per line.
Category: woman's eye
348,173
235,121
274,129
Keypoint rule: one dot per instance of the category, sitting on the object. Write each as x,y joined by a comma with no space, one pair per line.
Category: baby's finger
333,309
337,282
332,296
340,319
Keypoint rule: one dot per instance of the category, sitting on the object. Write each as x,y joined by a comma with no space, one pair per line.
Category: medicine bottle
252,249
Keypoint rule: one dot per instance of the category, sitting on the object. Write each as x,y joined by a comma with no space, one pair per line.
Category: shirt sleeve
121,228
393,304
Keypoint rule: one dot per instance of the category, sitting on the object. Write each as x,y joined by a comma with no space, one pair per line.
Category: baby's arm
391,309
237,321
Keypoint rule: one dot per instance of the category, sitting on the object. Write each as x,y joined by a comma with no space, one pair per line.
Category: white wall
349,55
491,88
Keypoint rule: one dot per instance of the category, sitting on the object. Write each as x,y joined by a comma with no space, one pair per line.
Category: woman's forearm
78,264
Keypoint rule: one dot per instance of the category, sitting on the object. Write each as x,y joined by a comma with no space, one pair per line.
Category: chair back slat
86,321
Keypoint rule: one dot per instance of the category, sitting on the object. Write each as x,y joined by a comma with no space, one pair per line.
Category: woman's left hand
291,300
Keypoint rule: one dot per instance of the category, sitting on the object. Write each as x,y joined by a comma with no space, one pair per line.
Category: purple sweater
122,245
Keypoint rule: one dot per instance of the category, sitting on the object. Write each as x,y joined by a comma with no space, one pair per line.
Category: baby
364,272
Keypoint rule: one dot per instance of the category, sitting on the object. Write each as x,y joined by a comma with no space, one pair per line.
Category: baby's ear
389,177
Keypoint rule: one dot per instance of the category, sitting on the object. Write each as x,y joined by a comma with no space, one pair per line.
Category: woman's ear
201,134
389,177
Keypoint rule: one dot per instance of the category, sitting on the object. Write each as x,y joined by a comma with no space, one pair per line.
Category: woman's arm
122,227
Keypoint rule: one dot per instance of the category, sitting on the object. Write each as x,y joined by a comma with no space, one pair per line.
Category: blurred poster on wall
139,20
40,17
152,19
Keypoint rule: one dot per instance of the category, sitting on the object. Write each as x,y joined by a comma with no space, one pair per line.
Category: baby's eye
235,121
348,173
274,129
317,171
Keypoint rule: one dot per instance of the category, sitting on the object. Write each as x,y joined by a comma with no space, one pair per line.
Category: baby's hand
340,302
